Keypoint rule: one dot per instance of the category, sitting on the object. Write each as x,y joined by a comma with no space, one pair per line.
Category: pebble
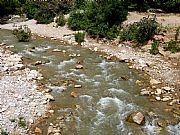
158,98
77,86
18,94
165,99
51,111
158,92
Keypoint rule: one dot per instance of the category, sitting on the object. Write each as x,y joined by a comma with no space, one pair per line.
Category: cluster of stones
165,94
20,102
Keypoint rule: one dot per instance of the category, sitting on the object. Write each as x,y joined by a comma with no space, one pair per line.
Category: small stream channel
105,99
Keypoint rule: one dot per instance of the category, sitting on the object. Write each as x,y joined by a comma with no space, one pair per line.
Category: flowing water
105,99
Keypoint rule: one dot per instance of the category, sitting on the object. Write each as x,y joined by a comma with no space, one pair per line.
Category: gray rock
136,117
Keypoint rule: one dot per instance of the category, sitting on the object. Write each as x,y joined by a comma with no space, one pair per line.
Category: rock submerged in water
162,123
79,66
74,94
136,117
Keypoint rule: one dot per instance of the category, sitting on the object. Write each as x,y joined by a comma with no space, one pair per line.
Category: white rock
50,97
165,99
158,92
154,82
51,111
77,86
79,66
158,98
31,121
166,88
95,49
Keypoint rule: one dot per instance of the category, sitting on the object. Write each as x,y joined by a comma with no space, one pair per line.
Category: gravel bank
20,102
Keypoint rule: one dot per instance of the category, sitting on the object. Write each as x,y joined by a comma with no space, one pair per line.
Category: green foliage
146,29
100,18
4,132
45,11
23,34
140,31
154,47
79,37
8,7
172,46
177,33
22,122
166,5
129,33
61,20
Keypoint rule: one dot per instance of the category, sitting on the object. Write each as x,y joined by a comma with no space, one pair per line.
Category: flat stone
51,111
56,50
165,99
158,98
38,63
167,88
77,86
49,96
154,82
79,66
136,117
74,94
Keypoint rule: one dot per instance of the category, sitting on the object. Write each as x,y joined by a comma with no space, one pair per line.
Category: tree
98,17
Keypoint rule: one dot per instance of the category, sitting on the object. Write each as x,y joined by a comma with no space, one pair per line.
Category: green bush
146,29
129,34
61,20
22,122
100,18
4,132
45,11
23,34
154,47
173,46
165,5
44,17
177,33
79,37
140,31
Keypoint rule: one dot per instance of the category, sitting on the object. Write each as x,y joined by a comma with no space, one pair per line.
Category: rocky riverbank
20,102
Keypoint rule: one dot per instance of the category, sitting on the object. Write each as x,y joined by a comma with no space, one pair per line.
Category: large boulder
136,117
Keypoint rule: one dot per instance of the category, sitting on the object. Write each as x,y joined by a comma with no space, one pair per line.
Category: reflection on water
104,100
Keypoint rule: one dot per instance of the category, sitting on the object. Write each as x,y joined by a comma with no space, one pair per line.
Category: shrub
4,132
172,46
140,31
22,122
100,18
146,29
79,37
154,47
44,17
129,34
61,20
177,33
23,34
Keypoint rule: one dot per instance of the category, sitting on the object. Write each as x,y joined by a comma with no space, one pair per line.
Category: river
105,98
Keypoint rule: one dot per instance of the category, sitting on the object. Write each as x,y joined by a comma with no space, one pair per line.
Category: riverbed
108,92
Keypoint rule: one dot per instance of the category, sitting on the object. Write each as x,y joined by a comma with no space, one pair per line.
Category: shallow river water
105,99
